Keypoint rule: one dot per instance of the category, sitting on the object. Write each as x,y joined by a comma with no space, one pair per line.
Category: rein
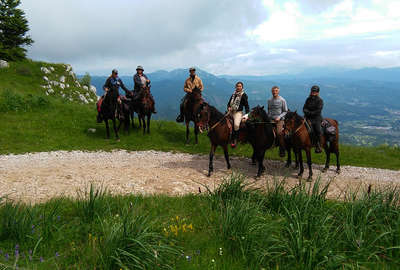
219,121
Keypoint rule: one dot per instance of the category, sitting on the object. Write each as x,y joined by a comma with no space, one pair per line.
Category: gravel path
38,177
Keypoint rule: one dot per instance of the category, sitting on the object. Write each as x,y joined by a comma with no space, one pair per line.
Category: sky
252,37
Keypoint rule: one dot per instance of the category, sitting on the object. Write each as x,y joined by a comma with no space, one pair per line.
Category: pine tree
13,29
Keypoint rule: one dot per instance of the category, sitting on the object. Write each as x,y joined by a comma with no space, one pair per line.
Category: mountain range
364,101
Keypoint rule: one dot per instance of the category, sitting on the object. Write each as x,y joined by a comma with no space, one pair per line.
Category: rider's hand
277,119
148,81
106,89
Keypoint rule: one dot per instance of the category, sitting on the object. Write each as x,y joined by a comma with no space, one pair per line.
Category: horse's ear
262,107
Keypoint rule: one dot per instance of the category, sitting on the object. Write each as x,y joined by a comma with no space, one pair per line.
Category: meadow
232,227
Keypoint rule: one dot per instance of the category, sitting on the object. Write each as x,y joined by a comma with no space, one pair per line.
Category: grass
232,227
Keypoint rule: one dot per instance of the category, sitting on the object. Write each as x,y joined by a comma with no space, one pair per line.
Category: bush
86,80
12,101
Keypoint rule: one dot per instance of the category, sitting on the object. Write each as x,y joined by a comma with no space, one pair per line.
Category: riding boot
180,117
234,138
318,146
281,151
99,118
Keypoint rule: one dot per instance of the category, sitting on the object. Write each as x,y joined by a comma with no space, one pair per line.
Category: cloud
223,37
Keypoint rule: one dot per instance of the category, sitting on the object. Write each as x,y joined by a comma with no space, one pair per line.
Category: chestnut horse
108,110
297,133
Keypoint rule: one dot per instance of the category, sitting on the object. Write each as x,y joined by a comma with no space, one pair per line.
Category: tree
86,80
13,29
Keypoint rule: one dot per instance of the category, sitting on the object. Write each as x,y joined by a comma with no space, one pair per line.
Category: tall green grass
229,227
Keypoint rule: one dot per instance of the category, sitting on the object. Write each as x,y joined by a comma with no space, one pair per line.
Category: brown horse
297,132
143,105
109,110
192,106
219,130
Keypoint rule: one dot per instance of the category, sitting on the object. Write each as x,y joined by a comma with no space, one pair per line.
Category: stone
45,78
45,70
77,84
91,130
62,79
72,74
67,85
68,68
85,88
62,86
50,91
93,89
4,64
83,99
51,68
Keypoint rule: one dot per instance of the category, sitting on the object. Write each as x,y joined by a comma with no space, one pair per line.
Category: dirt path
40,176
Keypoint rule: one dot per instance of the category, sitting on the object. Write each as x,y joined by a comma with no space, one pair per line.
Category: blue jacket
114,84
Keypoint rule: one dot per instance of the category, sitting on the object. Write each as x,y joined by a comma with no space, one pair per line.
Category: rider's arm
137,80
305,109
246,103
284,109
229,103
107,85
186,87
201,87
123,87
317,110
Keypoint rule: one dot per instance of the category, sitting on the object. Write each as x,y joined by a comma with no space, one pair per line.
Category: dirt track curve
38,177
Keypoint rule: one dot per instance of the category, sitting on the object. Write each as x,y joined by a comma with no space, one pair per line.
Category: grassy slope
64,126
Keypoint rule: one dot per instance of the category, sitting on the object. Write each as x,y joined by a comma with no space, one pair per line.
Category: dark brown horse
143,105
192,106
109,110
219,130
260,134
297,132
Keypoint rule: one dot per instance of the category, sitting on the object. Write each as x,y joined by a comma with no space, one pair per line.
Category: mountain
365,101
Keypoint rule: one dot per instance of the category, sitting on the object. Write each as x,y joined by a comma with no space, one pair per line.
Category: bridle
291,133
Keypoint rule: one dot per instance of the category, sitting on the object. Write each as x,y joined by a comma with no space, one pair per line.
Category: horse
260,134
192,105
109,111
143,105
296,131
219,129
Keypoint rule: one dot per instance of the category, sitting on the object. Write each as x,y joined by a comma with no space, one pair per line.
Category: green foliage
86,80
12,101
13,29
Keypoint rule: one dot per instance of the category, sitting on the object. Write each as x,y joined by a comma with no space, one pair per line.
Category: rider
312,111
191,83
141,81
113,83
235,106
277,109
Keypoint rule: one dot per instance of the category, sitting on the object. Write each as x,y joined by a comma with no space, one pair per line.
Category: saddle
328,130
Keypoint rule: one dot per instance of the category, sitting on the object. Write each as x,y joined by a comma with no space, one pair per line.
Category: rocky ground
38,177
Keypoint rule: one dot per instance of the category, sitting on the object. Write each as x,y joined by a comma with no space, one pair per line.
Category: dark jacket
115,84
243,103
313,107
138,81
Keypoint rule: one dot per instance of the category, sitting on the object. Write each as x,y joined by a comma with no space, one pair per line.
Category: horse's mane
298,120
215,114
263,114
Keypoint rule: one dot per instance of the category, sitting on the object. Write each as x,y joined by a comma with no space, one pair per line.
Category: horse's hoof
338,171
229,167
209,174
309,179
299,176
325,169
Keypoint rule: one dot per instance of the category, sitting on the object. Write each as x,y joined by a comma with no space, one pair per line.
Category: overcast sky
255,37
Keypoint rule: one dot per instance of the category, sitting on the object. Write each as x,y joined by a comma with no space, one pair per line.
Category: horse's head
290,124
202,117
258,114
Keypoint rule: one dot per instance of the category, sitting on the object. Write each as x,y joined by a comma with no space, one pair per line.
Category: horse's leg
196,133
228,164
310,172
107,128
143,118
260,159
210,165
187,132
253,157
133,120
336,151
148,123
327,149
289,157
296,159
300,156
115,129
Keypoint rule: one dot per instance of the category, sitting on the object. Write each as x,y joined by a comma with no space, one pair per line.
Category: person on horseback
312,111
277,109
236,103
141,81
113,83
193,83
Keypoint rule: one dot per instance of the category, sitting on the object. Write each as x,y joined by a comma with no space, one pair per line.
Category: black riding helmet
315,88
